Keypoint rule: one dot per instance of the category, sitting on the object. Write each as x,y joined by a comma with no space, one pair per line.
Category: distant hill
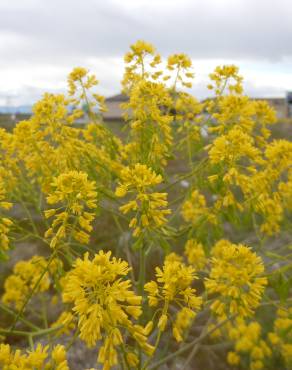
22,109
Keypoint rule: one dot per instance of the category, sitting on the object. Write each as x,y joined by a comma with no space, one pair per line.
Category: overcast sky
42,40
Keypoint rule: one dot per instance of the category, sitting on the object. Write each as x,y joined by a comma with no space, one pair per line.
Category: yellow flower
172,257
233,358
132,359
73,193
281,337
147,205
76,75
233,146
236,276
181,63
5,222
226,76
37,359
141,61
183,321
105,304
195,209
26,275
79,83
279,155
285,191
173,285
195,254
66,321
59,357
151,130
287,353
270,207
248,343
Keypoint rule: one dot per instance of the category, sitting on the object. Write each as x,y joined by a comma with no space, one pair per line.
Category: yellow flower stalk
105,304
173,285
25,280
74,195
149,206
195,210
226,76
195,254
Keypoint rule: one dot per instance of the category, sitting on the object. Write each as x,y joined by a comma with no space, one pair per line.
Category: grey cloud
63,33
63,30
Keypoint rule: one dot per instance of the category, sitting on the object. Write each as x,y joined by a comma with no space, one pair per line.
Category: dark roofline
118,98
124,98
270,98
251,98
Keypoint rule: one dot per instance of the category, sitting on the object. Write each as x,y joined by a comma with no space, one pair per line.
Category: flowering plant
158,245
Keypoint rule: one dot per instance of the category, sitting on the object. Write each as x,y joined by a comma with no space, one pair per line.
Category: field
159,242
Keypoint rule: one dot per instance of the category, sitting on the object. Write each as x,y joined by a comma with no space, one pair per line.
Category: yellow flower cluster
5,222
195,210
188,116
141,56
65,322
241,112
25,280
195,254
242,160
247,342
151,129
226,76
269,188
281,337
174,286
182,64
37,359
107,157
79,81
236,278
73,193
8,164
105,305
285,189
148,108
149,206
47,144
233,146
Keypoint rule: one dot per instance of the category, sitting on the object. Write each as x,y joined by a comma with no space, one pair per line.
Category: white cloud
41,41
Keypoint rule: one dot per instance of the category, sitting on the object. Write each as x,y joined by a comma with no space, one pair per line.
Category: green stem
183,177
164,312
142,267
188,346
69,345
14,314
30,334
155,348
190,154
28,298
196,347
125,356
141,283
29,216
44,312
30,341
